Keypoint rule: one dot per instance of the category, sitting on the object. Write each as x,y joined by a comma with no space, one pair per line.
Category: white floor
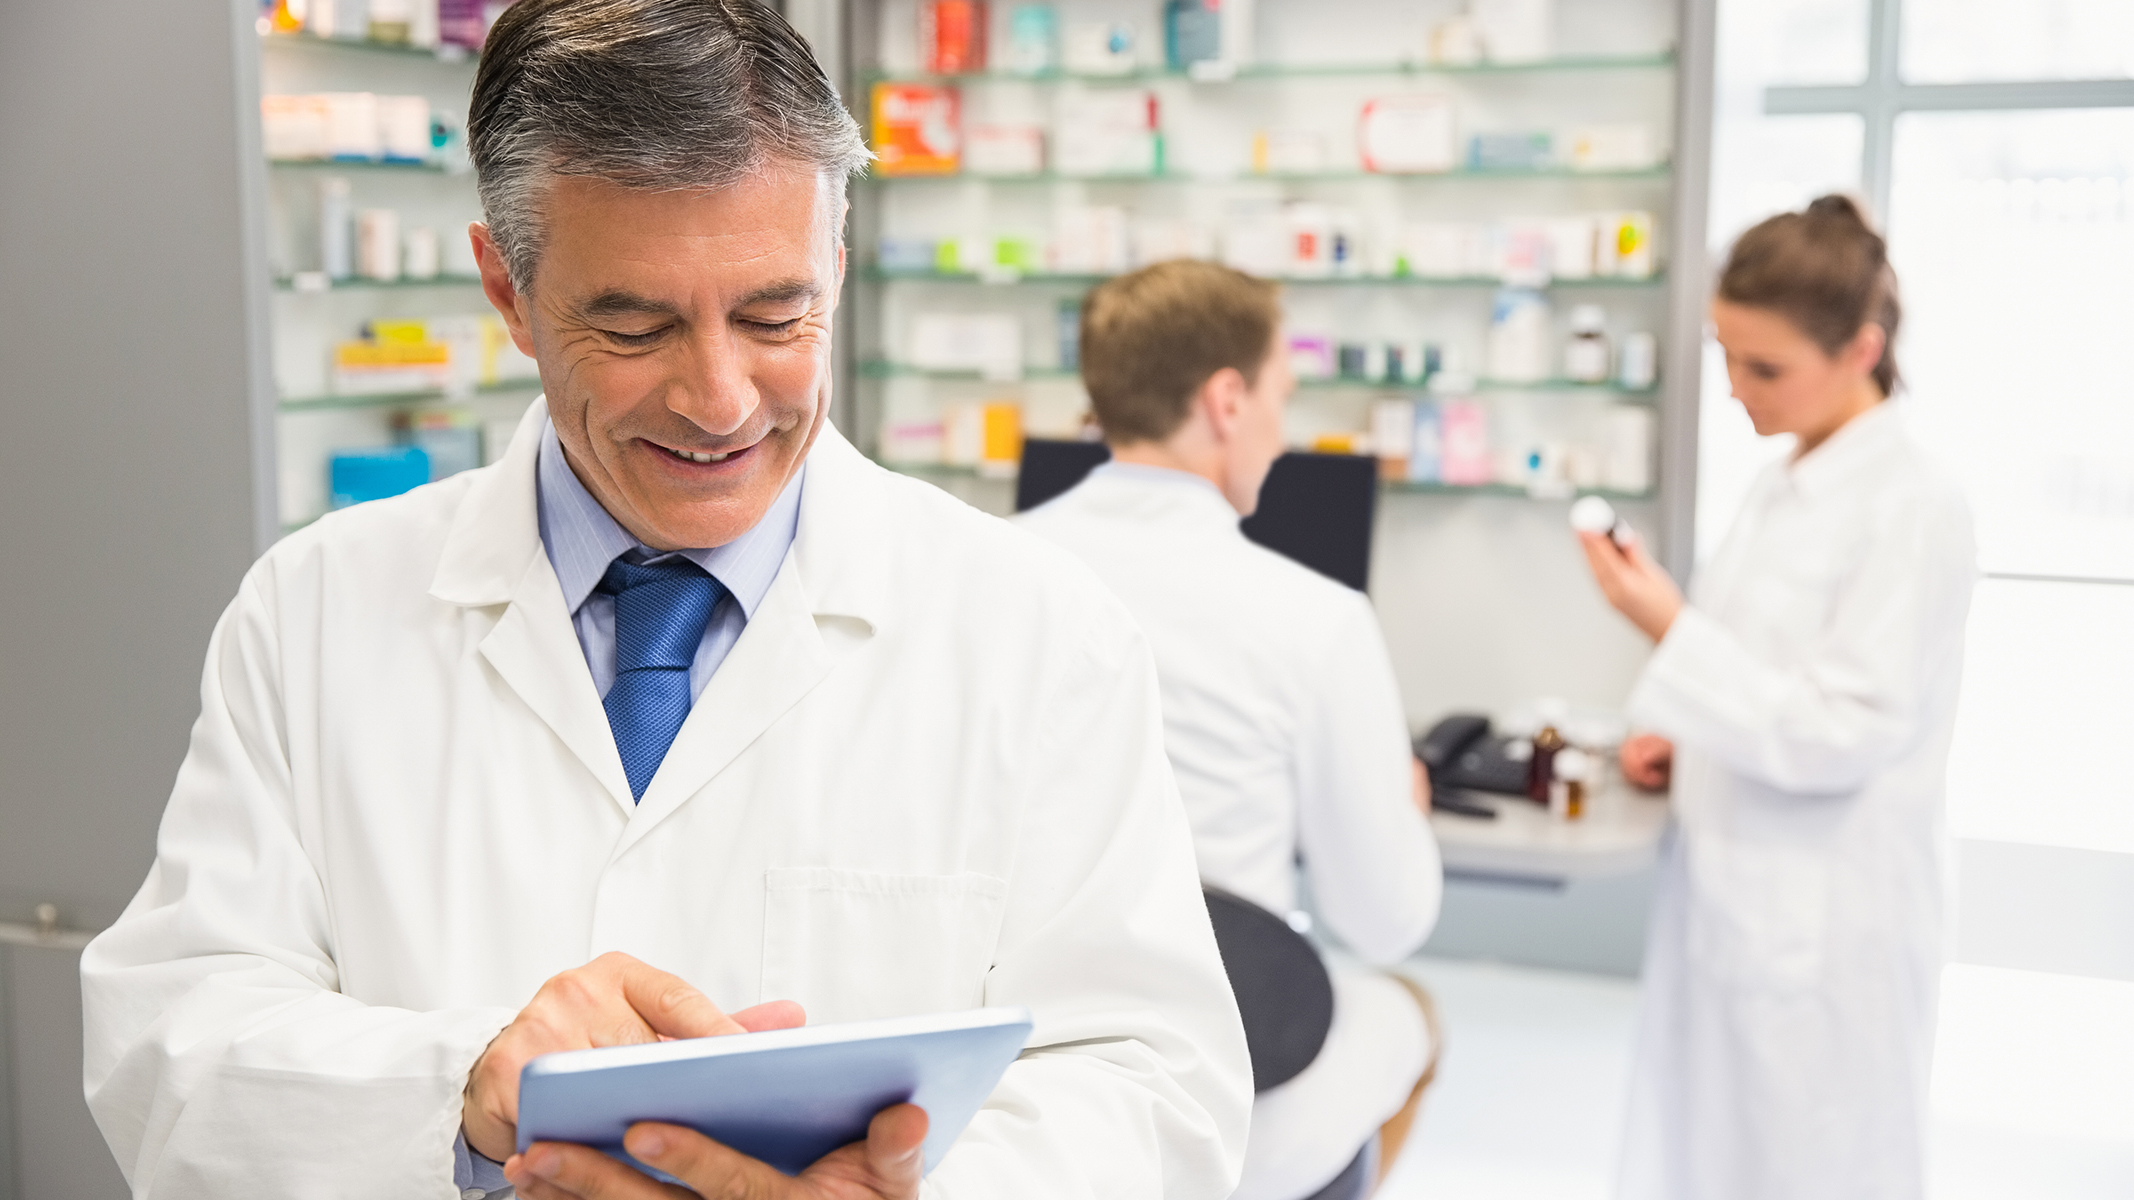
2033,1087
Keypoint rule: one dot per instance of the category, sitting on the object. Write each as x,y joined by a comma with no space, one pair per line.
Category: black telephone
1461,752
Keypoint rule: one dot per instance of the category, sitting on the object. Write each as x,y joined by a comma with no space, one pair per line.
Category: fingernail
648,1145
543,1162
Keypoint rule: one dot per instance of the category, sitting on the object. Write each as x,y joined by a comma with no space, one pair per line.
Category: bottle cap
1588,318
1572,764
1592,515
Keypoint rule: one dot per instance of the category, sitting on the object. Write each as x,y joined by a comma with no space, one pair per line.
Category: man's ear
1222,398
497,286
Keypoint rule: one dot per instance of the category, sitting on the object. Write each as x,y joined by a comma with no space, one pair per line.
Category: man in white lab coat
1281,715
680,720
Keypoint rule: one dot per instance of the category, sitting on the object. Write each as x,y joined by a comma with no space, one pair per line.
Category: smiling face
1786,382
684,343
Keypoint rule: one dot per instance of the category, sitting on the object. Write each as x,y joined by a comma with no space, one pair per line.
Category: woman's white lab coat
1791,971
929,776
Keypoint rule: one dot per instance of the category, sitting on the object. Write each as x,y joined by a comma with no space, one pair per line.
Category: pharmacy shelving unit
1617,60
311,313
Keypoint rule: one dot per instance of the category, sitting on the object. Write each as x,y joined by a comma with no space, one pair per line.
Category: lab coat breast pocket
856,945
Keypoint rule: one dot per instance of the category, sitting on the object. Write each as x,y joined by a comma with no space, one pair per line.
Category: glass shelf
314,282
925,470
359,164
1279,71
1037,278
1662,171
300,404
876,369
455,55
1512,490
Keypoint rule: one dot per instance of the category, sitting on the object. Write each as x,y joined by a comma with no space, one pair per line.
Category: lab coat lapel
493,557
832,582
535,650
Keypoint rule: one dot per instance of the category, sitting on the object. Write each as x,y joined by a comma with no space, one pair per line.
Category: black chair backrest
1282,988
1314,508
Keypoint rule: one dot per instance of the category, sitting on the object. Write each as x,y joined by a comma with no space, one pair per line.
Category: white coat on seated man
682,713
1281,715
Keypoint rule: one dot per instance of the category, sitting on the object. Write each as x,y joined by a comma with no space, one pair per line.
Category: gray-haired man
683,719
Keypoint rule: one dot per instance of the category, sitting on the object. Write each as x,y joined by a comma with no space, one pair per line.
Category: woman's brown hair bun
1824,269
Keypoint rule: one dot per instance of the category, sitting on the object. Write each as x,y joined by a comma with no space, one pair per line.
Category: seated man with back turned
683,719
1280,711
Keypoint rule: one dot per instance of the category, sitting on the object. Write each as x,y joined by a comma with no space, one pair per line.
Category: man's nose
716,390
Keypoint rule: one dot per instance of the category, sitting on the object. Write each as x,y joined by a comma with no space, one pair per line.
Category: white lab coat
1285,725
1795,949
929,776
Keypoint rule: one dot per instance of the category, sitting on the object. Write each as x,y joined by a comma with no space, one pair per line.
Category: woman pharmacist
1804,700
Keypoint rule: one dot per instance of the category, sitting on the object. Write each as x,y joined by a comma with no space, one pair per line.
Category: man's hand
887,1166
1638,587
615,1000
1648,761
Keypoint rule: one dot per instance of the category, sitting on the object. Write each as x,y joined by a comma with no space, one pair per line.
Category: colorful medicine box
917,129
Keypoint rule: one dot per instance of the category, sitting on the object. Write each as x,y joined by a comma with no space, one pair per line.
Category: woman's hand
1648,761
1638,587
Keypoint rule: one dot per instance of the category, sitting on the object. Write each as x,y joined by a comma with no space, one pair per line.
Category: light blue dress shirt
581,540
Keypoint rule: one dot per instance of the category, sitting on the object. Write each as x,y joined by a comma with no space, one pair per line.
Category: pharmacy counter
1620,833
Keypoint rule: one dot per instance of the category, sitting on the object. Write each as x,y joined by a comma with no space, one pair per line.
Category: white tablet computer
787,1097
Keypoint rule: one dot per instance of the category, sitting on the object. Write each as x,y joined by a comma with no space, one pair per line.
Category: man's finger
705,1165
669,1004
774,1014
567,1172
896,1142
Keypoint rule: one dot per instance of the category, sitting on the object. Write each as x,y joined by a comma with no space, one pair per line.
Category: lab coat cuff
470,1171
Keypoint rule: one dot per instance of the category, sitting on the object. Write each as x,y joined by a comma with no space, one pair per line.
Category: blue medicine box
373,474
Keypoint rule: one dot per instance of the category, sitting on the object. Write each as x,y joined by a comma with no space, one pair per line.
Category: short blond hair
1151,338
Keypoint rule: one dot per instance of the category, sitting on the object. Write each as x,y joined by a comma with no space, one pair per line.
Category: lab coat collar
828,597
1175,492
1853,448
828,600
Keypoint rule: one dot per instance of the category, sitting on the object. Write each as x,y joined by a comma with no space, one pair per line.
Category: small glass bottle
1541,769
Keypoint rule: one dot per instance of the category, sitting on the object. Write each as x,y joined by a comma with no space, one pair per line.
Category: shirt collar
582,539
1854,445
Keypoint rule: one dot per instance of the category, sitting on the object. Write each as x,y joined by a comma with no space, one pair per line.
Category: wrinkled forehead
768,223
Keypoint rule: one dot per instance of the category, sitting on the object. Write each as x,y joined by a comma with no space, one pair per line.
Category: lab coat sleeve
220,1058
1859,701
1373,863
1137,1081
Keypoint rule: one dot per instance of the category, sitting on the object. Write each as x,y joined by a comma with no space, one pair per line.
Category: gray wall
130,326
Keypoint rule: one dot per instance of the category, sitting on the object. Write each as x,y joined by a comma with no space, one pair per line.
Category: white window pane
1961,41
2040,754
1793,41
2012,239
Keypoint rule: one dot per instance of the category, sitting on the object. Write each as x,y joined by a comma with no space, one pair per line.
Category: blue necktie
660,613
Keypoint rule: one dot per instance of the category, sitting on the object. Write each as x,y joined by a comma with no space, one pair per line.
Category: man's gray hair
662,95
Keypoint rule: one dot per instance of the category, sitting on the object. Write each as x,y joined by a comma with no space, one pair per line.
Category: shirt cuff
477,1178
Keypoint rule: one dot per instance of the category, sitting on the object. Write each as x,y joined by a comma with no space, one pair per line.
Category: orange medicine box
917,129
